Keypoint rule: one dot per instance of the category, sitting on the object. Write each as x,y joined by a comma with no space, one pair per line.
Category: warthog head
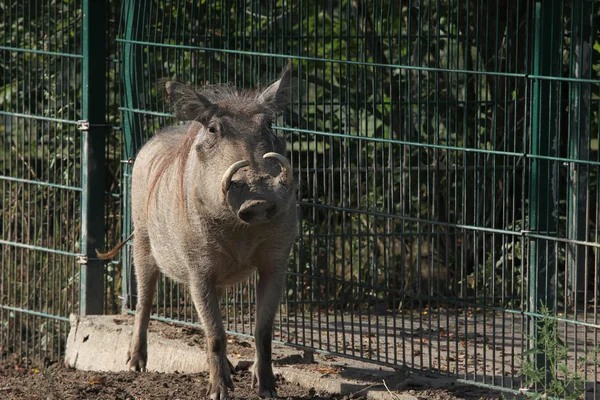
236,160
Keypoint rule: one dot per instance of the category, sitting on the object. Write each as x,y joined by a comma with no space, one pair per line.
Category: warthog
213,201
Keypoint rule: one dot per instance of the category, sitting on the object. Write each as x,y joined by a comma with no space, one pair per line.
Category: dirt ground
55,382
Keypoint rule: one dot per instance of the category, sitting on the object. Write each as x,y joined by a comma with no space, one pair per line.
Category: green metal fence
55,142
446,154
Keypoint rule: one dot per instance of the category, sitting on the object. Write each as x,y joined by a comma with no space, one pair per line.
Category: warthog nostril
238,184
271,211
256,210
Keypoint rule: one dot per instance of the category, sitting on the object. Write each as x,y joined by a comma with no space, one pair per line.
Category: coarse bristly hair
244,101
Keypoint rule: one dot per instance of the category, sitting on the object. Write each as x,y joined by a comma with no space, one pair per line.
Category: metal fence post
578,148
132,125
93,156
547,62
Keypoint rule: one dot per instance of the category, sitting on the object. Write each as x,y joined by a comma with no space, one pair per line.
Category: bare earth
33,380
57,382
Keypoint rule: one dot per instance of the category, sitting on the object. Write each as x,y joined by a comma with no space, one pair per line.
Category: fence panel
40,175
440,204
50,139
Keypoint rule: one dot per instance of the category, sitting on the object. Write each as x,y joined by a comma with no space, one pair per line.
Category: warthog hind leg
147,275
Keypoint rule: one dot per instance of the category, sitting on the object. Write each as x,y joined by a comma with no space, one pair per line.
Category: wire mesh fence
439,206
40,177
446,154
41,173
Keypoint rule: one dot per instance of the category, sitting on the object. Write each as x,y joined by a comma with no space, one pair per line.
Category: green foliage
41,82
556,379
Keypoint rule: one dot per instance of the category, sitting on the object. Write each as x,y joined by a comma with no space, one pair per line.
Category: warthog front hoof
268,393
219,391
136,362
266,385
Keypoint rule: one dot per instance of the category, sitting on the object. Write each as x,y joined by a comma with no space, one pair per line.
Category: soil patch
56,382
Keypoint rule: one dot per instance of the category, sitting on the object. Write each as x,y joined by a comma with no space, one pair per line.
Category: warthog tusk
286,167
226,180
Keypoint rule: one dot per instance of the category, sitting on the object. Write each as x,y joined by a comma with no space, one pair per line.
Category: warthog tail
112,253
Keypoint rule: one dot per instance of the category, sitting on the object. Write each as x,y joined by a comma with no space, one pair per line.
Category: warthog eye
211,134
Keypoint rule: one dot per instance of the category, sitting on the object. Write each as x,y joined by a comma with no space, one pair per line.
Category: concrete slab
98,343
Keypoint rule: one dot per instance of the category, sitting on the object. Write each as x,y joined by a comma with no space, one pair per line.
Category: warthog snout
257,210
253,195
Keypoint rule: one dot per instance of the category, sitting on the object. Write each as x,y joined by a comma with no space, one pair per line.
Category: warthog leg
268,297
147,275
206,300
220,291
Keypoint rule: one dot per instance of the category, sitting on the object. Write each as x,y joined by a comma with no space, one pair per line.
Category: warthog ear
277,95
187,104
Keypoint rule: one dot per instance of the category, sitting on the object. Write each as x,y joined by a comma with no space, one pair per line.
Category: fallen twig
394,396
366,388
